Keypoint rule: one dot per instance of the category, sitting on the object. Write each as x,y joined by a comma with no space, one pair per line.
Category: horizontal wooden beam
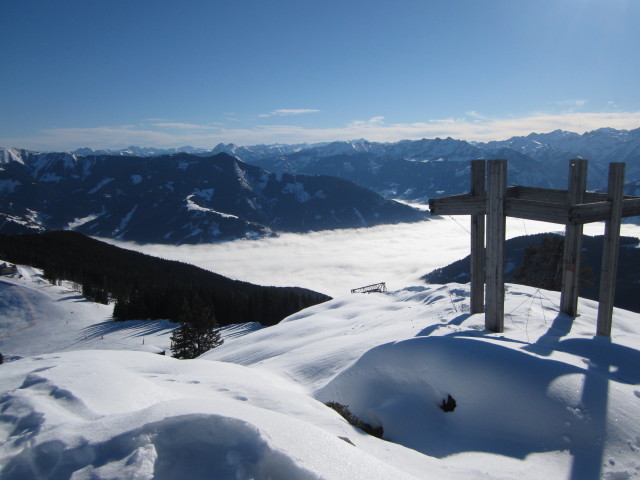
465,204
592,197
536,210
541,204
590,212
631,207
601,211
547,195
551,195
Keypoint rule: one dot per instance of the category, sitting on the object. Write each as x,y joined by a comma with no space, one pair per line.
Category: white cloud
472,126
576,103
475,116
287,112
334,262
372,122
182,126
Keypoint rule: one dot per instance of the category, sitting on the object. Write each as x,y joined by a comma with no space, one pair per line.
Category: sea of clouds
336,261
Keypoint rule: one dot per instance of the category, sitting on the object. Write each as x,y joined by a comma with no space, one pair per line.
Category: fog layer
334,262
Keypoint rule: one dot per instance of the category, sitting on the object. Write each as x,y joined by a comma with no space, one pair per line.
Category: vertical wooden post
496,191
573,241
610,247
477,239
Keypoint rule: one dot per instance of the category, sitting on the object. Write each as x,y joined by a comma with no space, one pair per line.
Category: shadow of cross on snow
605,362
568,402
503,405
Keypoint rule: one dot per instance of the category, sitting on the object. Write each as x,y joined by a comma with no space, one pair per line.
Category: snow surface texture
542,400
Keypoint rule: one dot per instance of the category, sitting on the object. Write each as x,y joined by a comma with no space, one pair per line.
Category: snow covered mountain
543,399
427,168
422,169
178,198
146,195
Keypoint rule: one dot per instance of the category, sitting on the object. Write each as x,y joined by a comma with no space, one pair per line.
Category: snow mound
509,401
105,414
195,443
544,396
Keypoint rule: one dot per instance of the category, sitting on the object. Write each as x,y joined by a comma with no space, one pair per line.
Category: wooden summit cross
573,208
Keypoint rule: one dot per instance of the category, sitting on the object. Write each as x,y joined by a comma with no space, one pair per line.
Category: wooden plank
537,204
601,211
465,204
550,195
478,179
610,248
537,210
573,241
590,212
630,207
547,195
496,192
592,197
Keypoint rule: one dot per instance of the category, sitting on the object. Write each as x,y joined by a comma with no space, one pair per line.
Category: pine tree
189,341
542,266
198,332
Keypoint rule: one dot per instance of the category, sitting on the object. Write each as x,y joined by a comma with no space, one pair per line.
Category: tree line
146,287
536,260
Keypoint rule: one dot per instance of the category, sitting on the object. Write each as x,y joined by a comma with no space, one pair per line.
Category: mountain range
191,195
178,198
422,169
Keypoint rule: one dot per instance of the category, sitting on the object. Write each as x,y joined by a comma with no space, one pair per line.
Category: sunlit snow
191,205
544,399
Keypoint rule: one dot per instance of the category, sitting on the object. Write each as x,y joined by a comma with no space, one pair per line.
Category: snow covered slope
37,317
544,399
544,396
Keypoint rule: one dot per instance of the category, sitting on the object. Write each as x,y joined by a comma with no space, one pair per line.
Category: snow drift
138,415
544,399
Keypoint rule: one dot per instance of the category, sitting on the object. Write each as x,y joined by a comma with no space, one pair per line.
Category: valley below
336,261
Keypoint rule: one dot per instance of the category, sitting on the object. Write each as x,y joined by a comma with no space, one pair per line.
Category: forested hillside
536,260
146,287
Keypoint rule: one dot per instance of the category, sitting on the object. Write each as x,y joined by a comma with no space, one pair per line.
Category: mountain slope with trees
536,260
146,287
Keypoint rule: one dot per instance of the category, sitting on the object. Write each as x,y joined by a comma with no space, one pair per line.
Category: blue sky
108,74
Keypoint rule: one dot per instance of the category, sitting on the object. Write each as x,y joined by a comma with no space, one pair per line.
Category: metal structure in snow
376,287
